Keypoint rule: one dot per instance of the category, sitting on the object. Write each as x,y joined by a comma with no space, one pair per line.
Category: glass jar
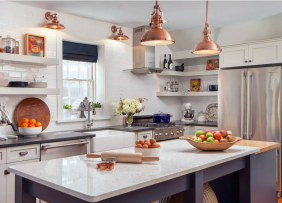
17,47
8,45
201,116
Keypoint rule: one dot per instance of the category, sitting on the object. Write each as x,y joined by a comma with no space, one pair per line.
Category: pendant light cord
207,5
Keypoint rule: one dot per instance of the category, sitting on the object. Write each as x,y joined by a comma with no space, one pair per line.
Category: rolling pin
125,157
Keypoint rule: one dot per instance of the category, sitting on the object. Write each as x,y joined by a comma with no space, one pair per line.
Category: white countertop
79,177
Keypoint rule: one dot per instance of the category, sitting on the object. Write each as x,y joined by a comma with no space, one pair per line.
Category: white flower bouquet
129,107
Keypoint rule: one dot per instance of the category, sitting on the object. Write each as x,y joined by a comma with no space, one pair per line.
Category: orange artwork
212,64
34,45
195,85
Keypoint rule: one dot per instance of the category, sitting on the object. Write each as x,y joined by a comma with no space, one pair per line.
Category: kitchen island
181,168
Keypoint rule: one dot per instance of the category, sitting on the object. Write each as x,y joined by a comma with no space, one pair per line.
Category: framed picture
34,45
195,85
212,64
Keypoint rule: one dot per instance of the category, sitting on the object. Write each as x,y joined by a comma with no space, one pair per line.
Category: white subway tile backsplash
20,69
15,74
7,67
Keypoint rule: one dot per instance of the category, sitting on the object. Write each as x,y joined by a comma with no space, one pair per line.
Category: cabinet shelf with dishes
24,59
28,91
187,94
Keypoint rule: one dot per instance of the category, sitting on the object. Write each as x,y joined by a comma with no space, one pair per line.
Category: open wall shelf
187,94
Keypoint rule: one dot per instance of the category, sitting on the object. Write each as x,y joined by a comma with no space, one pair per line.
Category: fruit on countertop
208,136
152,143
26,123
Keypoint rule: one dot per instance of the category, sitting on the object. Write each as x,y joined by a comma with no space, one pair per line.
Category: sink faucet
90,121
6,118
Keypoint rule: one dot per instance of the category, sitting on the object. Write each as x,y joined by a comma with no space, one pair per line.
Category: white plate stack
3,82
38,84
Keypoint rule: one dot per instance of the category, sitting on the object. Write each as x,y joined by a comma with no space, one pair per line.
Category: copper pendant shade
157,36
120,35
55,23
206,46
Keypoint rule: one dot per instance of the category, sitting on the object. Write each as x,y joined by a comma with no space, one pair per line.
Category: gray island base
181,168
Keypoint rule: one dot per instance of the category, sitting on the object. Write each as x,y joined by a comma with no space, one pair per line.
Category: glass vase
129,120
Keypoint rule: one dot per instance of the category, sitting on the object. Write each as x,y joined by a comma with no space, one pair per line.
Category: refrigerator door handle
243,104
249,104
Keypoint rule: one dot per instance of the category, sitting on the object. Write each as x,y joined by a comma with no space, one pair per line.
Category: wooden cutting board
33,108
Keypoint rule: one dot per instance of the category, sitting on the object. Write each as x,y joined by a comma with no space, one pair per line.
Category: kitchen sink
111,139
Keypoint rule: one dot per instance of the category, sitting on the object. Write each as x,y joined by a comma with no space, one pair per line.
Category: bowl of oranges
29,127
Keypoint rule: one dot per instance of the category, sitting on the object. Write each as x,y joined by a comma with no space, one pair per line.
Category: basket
209,146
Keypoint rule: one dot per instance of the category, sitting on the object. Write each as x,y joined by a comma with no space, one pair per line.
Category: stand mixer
187,113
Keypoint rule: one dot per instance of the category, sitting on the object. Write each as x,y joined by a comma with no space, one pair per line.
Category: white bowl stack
3,82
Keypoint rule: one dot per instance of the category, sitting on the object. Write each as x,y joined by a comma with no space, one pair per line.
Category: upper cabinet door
265,53
233,57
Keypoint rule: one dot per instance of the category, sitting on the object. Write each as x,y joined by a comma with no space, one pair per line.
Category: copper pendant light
206,46
157,36
55,23
120,35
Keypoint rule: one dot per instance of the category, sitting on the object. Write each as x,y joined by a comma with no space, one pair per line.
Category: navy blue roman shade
80,52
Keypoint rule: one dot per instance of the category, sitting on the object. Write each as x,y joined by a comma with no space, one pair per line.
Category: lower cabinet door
3,181
11,181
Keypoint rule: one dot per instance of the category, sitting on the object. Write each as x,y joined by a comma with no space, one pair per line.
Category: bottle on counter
165,66
170,64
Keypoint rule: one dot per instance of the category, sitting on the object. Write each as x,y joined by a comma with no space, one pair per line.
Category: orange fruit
24,125
38,124
32,121
25,120
20,123
31,125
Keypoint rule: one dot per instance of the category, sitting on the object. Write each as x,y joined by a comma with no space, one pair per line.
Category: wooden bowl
209,146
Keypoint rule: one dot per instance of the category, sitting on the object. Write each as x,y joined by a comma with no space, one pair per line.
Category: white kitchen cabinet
203,128
10,178
144,135
258,53
234,56
23,153
265,53
3,180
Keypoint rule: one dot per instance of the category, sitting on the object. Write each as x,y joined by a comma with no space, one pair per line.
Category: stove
163,131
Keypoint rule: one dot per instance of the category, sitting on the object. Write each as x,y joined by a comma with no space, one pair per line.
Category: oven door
56,150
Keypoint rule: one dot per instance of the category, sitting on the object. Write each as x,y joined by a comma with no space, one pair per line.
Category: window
78,82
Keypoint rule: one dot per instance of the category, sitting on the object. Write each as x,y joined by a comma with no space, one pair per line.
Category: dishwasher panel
56,150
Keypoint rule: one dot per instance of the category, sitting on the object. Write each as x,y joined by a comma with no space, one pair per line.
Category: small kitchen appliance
187,113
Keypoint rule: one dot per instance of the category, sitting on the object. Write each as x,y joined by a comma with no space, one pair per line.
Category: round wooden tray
209,146
33,108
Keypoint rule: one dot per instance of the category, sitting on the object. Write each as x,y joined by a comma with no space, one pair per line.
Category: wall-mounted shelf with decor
188,74
24,59
28,91
187,94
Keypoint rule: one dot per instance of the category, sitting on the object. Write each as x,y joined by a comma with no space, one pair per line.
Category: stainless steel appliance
56,150
162,131
187,113
250,105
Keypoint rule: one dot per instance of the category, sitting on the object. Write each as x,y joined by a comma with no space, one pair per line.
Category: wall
17,19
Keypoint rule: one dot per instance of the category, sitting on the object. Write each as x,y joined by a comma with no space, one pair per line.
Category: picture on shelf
212,64
35,45
195,85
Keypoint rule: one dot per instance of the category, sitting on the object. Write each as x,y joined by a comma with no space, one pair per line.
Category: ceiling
179,14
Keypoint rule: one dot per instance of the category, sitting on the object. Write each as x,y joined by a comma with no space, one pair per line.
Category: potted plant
67,110
129,107
98,109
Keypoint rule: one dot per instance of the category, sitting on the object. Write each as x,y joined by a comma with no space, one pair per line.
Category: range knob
181,131
160,135
166,134
156,136
177,132
172,134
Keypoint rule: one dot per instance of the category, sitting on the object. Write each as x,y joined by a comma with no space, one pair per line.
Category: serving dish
209,146
148,151
211,112
30,132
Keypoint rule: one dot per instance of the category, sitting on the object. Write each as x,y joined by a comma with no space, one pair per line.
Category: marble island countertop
78,176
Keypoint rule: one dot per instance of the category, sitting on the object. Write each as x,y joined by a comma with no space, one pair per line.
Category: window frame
97,96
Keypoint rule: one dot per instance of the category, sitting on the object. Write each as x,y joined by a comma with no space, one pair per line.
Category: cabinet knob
6,172
145,136
246,61
250,61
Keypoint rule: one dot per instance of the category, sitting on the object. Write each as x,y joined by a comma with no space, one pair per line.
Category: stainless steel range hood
143,56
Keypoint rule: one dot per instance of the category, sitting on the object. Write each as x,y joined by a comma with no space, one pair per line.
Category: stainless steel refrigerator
249,104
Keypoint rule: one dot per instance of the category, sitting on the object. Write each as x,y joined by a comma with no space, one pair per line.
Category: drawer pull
23,153
6,172
145,136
